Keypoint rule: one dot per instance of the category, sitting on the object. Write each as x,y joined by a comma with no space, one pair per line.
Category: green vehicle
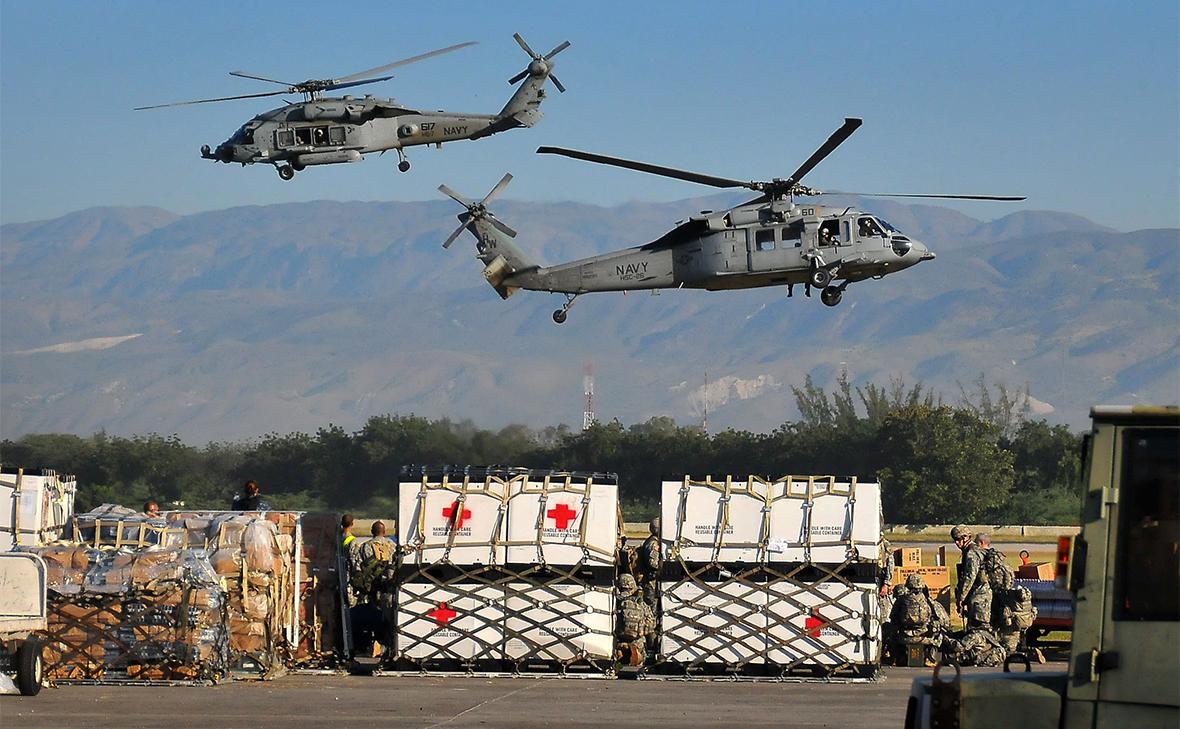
1124,668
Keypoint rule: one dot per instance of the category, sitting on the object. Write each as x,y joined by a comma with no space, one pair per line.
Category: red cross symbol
442,614
449,513
814,623
562,515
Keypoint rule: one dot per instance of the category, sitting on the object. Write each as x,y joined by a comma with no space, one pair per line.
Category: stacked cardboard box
118,615
937,579
255,563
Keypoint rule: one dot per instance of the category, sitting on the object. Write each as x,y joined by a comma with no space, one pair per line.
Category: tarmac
485,703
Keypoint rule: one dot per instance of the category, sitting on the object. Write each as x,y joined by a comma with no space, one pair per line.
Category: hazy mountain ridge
287,317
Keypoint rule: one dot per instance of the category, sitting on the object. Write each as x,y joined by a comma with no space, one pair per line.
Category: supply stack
908,561
770,579
511,571
118,615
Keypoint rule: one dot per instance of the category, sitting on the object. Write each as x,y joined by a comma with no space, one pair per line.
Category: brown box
908,557
1037,571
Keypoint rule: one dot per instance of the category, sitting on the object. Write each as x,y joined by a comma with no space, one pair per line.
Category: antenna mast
588,416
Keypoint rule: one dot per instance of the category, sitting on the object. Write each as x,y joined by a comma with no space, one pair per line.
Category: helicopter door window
847,232
303,136
793,235
319,136
829,233
284,138
764,240
336,135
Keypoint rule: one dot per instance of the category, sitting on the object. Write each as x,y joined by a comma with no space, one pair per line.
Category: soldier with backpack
635,622
371,581
917,618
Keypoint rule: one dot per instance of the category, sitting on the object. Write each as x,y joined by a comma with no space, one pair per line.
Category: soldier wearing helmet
649,564
917,619
635,622
973,596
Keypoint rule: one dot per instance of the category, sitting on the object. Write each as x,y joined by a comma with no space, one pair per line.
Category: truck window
1147,584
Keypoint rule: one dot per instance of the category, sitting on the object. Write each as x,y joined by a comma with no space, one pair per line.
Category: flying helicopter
324,130
772,240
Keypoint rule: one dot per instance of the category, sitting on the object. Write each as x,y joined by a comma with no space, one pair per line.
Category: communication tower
588,416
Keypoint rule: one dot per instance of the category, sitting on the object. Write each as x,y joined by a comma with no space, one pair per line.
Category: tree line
981,459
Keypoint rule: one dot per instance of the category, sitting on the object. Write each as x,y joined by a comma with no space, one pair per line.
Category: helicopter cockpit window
284,138
244,135
764,239
887,226
336,135
867,227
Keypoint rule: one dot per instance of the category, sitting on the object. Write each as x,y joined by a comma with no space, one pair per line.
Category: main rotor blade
403,62
333,87
207,101
497,189
1008,198
561,47
524,45
557,83
454,196
837,138
649,168
244,74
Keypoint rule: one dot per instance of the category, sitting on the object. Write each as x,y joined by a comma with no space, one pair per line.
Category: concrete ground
487,703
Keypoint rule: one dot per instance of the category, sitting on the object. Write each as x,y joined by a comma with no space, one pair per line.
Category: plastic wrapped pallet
156,614
770,577
249,556
511,570
35,507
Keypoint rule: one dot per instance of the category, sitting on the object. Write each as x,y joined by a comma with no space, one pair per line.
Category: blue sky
1076,105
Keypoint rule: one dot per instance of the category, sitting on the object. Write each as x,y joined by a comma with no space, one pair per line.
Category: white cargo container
35,507
827,623
712,622
457,622
560,521
559,622
793,519
458,521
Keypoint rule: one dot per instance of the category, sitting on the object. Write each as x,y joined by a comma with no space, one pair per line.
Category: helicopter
771,240
324,130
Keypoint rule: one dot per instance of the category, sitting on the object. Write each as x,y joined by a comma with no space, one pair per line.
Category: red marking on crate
442,614
457,518
562,515
814,623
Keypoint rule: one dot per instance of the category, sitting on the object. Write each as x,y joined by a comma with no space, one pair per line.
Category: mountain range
229,324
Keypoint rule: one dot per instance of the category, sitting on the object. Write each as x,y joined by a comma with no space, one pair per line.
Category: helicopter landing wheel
286,172
831,296
559,316
403,166
821,277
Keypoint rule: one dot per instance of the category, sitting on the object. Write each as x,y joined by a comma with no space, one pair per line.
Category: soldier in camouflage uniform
973,596
635,622
649,565
977,647
371,580
917,618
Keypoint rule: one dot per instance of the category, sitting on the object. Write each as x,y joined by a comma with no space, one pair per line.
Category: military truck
1125,575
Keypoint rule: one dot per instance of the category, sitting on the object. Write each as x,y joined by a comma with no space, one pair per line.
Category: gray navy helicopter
324,130
771,240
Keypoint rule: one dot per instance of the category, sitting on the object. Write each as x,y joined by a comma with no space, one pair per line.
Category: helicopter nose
924,253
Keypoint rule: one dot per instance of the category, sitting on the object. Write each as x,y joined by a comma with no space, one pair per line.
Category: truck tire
30,667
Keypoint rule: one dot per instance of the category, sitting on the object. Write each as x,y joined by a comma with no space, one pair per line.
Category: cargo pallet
590,668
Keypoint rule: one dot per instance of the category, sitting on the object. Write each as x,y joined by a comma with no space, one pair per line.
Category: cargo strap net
174,635
805,489
502,490
516,621
771,618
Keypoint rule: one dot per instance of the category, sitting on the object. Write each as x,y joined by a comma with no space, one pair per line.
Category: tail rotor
477,210
540,65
